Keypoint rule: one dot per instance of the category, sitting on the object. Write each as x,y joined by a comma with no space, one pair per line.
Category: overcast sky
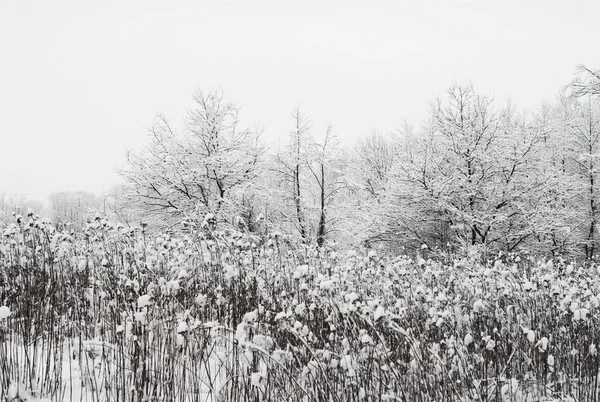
79,80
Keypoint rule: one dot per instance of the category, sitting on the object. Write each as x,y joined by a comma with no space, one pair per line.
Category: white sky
80,79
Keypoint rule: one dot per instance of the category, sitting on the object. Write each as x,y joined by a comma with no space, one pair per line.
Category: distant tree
118,206
18,204
73,208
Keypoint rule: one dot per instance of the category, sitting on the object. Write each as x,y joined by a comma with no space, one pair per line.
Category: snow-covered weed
112,314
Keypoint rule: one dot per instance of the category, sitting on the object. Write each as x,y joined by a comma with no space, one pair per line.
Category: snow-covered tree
586,82
200,168
327,171
305,180
290,169
374,156
74,208
368,173
582,134
12,205
474,176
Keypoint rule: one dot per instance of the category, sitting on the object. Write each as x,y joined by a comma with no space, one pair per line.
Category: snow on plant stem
4,312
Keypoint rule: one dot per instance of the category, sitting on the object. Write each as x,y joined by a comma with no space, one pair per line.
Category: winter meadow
452,259
454,262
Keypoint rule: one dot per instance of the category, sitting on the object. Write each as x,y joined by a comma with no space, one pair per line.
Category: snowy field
313,201
115,315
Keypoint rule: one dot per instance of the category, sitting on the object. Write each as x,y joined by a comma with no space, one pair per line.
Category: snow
542,344
143,301
478,306
76,384
379,312
468,339
580,314
200,299
366,339
182,327
4,312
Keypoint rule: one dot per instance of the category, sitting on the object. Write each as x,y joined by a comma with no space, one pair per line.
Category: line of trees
67,209
475,174
12,205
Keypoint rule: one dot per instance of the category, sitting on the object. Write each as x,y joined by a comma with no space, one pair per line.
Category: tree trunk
297,196
590,244
321,228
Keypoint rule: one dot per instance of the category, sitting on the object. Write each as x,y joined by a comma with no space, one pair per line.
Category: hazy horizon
79,81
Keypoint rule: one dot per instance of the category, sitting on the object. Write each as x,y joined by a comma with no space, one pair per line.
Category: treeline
476,175
70,210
